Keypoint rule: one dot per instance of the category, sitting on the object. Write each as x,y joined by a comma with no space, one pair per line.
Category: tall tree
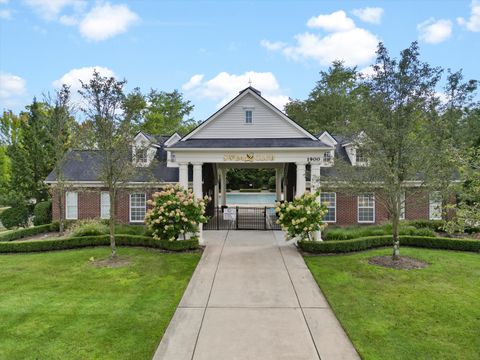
166,113
60,123
331,103
113,135
398,121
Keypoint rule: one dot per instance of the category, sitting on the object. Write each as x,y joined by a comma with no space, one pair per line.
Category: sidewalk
252,297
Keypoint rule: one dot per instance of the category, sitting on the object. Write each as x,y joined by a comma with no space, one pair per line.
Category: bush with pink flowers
175,214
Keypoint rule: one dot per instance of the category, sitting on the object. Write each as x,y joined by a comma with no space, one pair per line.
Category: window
248,117
327,157
331,200
402,206
435,206
360,157
366,208
141,154
137,207
71,208
105,205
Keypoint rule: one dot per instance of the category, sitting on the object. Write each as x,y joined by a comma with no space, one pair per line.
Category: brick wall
417,206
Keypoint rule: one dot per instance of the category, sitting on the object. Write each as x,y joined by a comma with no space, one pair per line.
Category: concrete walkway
252,297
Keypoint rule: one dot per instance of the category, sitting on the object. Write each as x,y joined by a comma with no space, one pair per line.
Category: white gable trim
330,137
150,143
172,139
237,98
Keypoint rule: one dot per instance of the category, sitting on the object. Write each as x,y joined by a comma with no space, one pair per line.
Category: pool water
251,198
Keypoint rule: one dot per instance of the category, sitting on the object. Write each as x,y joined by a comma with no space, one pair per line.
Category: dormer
328,156
143,150
354,151
171,157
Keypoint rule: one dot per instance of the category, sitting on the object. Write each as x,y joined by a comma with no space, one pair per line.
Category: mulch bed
404,263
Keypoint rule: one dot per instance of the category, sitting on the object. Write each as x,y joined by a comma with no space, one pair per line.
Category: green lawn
433,313
57,305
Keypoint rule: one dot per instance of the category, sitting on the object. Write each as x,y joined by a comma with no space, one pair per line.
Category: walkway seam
209,294
299,303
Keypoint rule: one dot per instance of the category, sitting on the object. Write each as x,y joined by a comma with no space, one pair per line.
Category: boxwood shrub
365,243
42,213
15,216
100,240
35,230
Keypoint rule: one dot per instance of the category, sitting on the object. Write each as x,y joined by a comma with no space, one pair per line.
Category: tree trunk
396,240
113,246
61,225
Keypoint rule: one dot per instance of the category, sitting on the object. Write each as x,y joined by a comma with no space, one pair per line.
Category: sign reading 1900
314,159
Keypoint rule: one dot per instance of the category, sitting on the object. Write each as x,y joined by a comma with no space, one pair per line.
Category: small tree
467,211
401,140
175,213
113,135
60,123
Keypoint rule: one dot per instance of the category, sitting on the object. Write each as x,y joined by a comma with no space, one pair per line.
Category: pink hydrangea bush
175,213
302,217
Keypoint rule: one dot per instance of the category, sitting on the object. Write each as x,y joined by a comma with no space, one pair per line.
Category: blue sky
209,50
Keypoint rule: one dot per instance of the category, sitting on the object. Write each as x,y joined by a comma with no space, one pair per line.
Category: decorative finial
249,82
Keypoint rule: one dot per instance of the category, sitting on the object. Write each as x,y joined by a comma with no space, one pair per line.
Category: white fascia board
101,184
252,149
332,139
173,139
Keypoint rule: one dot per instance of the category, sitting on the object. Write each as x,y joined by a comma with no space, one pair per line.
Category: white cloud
5,14
51,9
224,86
105,21
12,87
473,23
68,20
371,15
3,1
272,46
336,21
435,31
344,41
73,77
354,47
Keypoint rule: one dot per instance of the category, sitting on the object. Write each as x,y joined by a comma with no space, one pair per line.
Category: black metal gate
242,218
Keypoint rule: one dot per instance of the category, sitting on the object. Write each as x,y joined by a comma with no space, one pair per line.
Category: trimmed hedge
15,216
250,190
42,213
365,243
21,233
101,240
355,232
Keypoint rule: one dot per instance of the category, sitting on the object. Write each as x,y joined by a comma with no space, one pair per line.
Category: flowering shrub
302,217
175,213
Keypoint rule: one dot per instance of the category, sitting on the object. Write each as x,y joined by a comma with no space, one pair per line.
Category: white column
278,184
223,184
315,185
301,180
183,175
315,177
197,191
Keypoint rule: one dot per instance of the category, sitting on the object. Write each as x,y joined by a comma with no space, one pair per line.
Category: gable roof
256,94
304,143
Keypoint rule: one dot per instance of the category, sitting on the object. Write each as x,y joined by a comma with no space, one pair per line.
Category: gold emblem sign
249,157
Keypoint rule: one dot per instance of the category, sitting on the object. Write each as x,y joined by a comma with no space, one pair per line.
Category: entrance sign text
249,157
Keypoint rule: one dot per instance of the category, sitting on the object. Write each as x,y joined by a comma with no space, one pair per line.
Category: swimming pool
251,198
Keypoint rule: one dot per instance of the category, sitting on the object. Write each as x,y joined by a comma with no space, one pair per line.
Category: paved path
252,297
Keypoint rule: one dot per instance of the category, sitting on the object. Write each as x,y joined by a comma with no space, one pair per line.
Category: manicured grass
57,305
433,313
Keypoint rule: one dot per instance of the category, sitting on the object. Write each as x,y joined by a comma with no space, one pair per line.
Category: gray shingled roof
83,165
249,143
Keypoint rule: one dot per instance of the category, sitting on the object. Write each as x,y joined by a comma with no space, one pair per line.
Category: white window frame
130,207
251,116
435,199
104,207
403,206
68,197
330,205
366,207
